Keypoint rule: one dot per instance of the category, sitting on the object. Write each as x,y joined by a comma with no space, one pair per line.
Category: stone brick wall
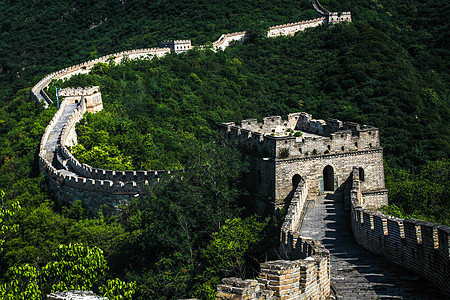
339,17
74,295
291,28
37,92
416,245
312,169
303,274
225,40
323,144
95,187
279,30
331,17
177,46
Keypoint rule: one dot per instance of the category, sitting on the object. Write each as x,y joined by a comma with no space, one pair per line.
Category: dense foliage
388,68
73,267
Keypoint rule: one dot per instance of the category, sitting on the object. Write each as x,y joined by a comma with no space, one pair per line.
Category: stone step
355,272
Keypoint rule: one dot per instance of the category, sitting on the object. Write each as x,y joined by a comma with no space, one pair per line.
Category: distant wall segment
68,178
38,91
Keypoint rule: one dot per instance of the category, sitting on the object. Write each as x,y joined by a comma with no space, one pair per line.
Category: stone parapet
419,246
302,136
226,39
306,275
236,288
292,219
37,91
74,295
291,28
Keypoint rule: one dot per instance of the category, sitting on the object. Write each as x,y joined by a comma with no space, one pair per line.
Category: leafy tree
6,214
116,289
75,267
24,285
228,247
422,195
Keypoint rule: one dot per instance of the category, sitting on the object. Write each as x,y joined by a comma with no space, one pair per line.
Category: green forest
388,68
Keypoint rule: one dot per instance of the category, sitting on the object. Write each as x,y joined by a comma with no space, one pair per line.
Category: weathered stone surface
74,295
324,156
355,272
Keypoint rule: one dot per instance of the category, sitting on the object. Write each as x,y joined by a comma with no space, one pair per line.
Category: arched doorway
328,178
296,181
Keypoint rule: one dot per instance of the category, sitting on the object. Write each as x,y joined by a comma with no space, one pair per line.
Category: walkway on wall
355,272
52,141
319,8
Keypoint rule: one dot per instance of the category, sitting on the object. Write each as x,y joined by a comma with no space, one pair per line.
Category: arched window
328,178
296,179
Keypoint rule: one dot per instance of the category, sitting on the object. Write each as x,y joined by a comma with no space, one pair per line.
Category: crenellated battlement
419,246
88,99
301,136
304,272
79,91
339,17
38,90
177,46
290,29
72,180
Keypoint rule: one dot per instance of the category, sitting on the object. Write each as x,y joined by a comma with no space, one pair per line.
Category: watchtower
177,46
283,152
91,95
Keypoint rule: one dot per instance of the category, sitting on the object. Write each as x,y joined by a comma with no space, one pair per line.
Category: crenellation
419,246
306,276
309,147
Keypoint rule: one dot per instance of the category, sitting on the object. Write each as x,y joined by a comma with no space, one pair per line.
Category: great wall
306,165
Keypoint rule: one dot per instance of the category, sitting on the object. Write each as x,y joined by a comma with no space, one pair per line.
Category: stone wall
330,148
339,17
282,279
38,93
225,40
312,169
279,30
74,295
416,245
70,180
304,273
315,136
109,181
291,28
177,46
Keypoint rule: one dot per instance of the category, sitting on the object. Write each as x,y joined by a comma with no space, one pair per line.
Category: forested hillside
389,68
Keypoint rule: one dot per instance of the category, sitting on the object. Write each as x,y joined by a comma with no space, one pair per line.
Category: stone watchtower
283,152
177,46
91,96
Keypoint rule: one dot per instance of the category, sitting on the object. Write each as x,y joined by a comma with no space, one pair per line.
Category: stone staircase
355,272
